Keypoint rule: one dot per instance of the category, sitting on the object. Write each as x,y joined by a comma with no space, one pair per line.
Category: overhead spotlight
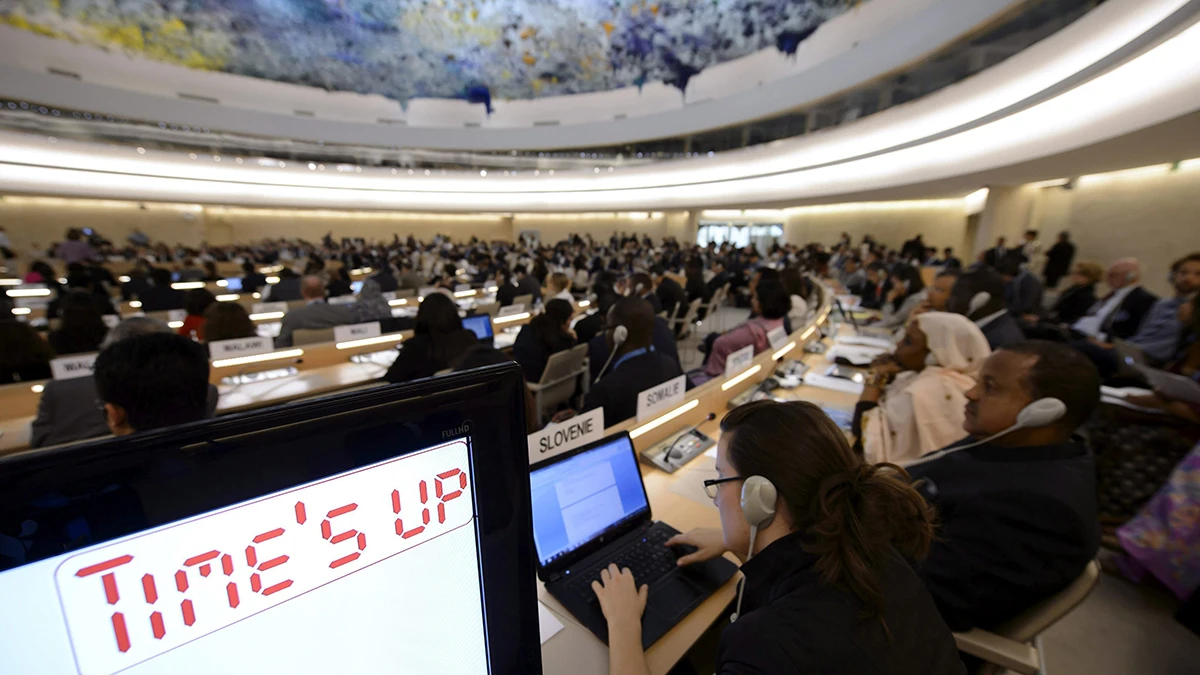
216,158
537,172
596,170
141,151
483,173
426,172
312,166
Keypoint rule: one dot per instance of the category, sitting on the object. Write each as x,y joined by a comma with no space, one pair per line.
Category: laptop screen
233,284
579,498
480,324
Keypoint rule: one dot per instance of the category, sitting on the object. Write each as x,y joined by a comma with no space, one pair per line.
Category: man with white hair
1120,313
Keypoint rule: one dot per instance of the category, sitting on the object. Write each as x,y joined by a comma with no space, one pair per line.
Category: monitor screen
480,324
356,286
196,551
233,284
582,496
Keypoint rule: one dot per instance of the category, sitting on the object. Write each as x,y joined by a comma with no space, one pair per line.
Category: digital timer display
132,600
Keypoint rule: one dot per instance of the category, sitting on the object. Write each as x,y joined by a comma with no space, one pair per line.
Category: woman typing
825,541
922,409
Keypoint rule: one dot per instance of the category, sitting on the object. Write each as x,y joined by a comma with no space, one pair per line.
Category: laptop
590,509
481,325
233,284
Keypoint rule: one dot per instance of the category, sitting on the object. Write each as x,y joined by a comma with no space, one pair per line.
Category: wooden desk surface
676,500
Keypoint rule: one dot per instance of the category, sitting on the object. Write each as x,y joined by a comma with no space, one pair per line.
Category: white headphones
620,335
978,301
758,506
1040,413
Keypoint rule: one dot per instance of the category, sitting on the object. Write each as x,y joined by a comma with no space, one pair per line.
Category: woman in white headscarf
922,408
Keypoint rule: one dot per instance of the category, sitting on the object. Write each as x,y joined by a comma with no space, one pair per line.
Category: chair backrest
1033,621
308,336
564,363
490,308
526,300
406,293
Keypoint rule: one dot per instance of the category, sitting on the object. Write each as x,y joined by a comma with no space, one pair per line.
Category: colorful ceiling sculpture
478,50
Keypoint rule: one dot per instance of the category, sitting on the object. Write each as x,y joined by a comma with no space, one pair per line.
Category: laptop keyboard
648,559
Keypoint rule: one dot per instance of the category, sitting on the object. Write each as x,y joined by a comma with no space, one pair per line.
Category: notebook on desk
589,510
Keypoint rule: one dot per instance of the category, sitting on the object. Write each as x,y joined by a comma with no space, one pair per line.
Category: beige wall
943,223
29,221
1153,218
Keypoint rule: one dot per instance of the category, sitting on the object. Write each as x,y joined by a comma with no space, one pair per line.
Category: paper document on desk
548,624
1117,396
865,341
833,383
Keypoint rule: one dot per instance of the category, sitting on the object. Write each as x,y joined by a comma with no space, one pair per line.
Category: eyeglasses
710,485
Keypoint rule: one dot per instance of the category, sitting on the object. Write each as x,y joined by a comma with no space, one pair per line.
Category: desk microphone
847,315
707,418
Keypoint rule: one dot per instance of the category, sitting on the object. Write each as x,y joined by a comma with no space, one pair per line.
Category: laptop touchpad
674,596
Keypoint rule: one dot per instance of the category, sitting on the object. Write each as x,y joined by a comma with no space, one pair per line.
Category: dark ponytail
854,514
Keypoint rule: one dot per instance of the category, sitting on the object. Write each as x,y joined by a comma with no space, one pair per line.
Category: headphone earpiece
1041,413
758,501
620,335
978,302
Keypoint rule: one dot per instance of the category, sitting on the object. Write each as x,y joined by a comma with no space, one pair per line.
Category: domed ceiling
478,50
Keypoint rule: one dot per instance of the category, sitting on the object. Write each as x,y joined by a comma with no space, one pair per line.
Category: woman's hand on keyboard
621,600
709,543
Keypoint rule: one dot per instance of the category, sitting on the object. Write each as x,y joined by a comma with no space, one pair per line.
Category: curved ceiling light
949,133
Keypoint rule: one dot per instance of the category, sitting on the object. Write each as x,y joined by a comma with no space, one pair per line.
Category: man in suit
1118,314
979,296
640,285
527,284
1022,291
1058,260
67,411
670,293
386,280
636,366
852,277
1017,514
161,297
314,315
995,254
288,288
874,293
152,381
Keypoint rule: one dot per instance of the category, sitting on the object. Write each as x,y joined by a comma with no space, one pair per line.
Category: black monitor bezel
498,452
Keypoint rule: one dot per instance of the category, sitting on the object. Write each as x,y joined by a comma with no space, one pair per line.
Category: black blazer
670,295
872,297
654,301
1017,525
1127,317
423,355
598,350
1058,260
529,351
1003,330
793,623
1074,303
617,391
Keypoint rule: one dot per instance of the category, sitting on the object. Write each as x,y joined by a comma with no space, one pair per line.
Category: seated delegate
1017,514
67,410
634,365
771,303
544,336
151,381
908,292
913,402
979,296
24,355
438,340
314,315
826,543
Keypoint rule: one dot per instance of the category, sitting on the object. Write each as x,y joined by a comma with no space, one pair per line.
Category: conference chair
715,303
559,380
308,336
526,300
684,326
1017,644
